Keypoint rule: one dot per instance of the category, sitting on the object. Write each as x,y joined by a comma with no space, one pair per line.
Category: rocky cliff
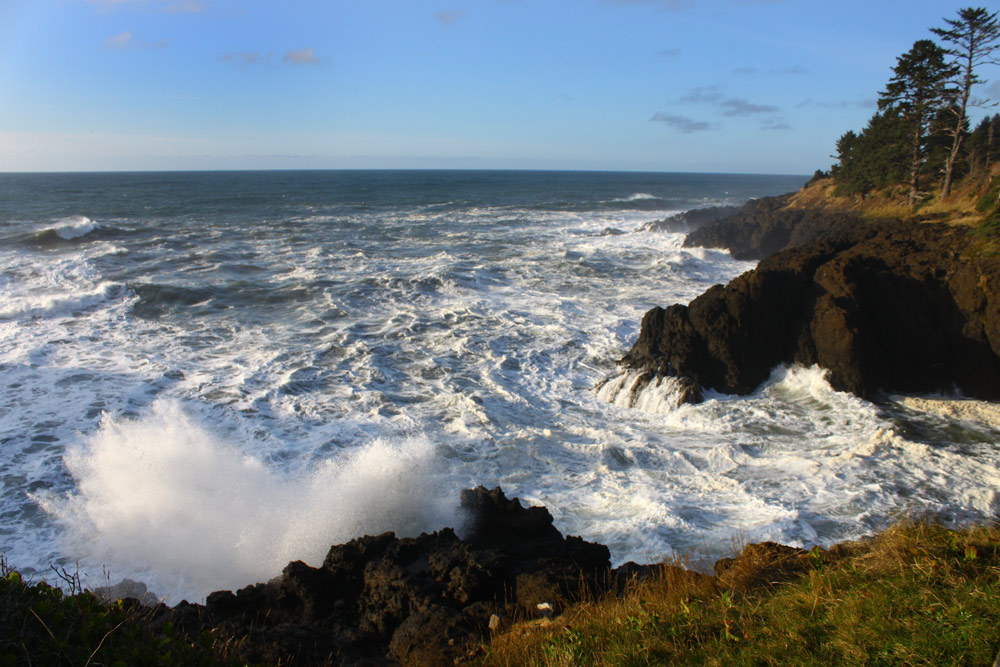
884,306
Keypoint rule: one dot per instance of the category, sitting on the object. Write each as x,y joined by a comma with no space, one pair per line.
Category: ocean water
207,375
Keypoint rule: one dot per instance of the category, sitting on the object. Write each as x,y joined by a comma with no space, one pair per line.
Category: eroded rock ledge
413,601
884,306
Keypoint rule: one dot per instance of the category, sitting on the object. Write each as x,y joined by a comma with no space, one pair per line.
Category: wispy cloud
301,57
682,124
449,17
745,70
737,106
704,94
128,41
729,106
774,124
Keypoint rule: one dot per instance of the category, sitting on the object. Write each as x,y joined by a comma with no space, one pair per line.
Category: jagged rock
127,589
412,601
883,306
762,227
687,221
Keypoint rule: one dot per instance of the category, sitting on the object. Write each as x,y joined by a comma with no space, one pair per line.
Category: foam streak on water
208,375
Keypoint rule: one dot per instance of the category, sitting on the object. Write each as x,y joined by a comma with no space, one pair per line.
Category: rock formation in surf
883,306
688,221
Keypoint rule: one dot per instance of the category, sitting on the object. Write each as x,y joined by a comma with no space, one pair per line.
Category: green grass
42,625
917,594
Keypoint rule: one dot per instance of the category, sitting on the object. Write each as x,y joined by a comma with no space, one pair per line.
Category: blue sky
749,86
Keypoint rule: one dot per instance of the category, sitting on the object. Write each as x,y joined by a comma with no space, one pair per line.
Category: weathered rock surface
690,220
411,601
883,306
762,227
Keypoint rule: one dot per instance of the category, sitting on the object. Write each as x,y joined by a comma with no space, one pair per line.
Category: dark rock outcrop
762,227
883,306
687,221
411,601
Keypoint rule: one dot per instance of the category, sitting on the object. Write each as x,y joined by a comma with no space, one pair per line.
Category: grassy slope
916,594
971,201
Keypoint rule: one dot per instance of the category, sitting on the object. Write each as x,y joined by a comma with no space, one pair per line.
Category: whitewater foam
163,499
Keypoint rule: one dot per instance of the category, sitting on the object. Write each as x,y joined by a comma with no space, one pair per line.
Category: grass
41,625
917,594
971,199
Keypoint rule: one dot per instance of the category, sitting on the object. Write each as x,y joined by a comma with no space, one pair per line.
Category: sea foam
162,499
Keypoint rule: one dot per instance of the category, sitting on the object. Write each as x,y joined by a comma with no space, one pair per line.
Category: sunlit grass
917,594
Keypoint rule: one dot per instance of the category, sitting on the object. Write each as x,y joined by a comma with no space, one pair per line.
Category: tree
974,39
875,158
917,91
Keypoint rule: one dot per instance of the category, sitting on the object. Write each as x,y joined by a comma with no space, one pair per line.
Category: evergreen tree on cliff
875,158
974,39
918,91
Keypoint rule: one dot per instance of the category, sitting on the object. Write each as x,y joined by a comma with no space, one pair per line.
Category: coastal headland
885,305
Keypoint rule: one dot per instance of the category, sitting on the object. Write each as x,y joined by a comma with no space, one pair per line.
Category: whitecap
74,227
163,499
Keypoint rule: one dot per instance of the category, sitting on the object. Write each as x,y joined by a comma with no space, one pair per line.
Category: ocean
207,375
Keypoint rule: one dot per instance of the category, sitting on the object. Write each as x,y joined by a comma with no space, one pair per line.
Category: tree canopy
920,135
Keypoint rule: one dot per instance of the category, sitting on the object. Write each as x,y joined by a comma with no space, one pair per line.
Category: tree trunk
949,165
915,163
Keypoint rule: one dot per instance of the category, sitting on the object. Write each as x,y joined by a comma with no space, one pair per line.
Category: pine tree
917,91
974,37
875,158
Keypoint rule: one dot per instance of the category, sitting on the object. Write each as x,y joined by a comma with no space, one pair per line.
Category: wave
638,196
64,229
636,389
164,499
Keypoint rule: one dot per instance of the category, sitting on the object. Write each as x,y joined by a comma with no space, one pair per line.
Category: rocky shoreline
412,601
435,599
884,306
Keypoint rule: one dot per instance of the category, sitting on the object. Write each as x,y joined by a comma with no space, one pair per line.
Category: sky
726,86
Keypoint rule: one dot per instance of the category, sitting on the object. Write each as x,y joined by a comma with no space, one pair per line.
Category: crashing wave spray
161,499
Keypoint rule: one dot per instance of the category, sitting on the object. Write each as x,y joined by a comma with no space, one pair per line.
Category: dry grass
917,594
959,209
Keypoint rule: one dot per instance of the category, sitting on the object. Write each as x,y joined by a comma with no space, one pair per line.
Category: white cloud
128,40
120,41
301,57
